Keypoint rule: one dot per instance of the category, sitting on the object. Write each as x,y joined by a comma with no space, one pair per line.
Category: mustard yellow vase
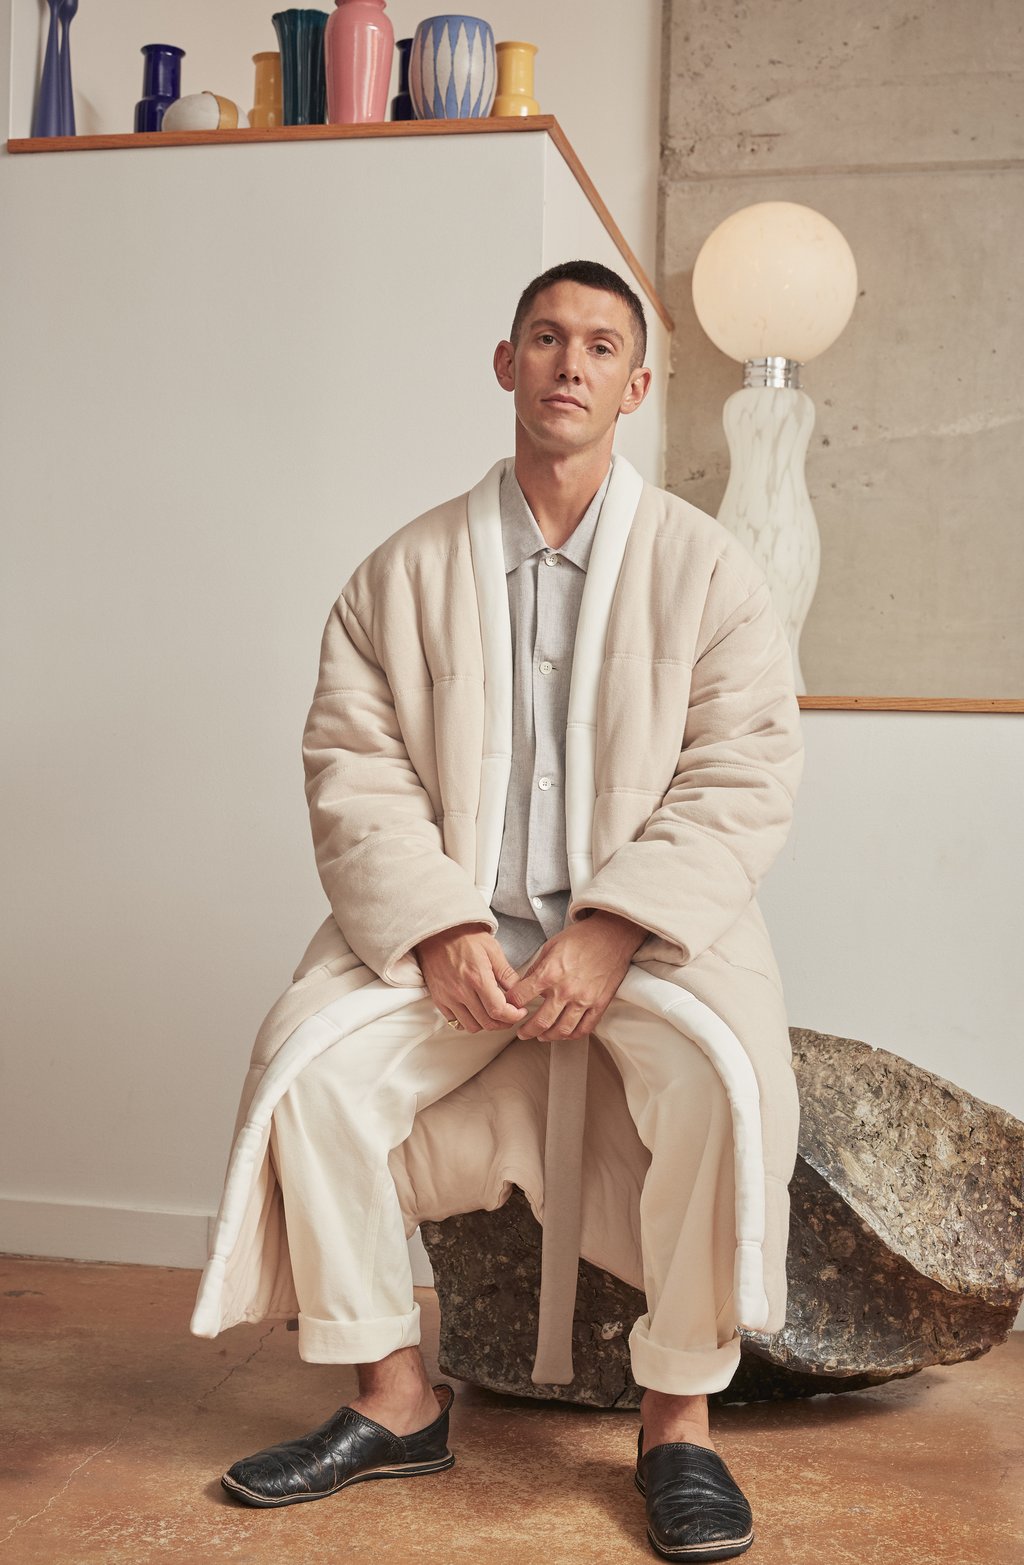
268,105
515,80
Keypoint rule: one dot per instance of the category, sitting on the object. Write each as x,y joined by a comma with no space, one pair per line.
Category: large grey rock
906,1248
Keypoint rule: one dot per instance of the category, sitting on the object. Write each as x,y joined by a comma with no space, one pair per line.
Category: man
552,751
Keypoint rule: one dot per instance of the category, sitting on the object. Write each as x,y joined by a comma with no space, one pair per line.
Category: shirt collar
521,537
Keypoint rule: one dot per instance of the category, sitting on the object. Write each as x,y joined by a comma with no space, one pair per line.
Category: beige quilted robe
683,756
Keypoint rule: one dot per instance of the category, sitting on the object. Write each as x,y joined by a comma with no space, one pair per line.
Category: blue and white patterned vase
452,70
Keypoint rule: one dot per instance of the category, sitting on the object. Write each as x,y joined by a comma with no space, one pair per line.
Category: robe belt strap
563,1182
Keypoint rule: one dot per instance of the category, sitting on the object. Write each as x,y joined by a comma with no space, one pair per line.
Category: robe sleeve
697,862
378,846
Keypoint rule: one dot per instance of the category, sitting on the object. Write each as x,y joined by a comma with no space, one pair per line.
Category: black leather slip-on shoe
347,1449
695,1508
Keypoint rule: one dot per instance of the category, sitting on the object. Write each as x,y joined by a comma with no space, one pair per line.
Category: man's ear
505,365
638,386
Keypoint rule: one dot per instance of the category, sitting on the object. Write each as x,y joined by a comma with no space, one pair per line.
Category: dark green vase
300,34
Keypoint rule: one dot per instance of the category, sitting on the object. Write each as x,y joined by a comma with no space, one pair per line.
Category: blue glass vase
161,84
401,103
48,119
300,34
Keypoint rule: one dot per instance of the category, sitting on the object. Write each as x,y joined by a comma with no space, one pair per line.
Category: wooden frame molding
907,704
545,124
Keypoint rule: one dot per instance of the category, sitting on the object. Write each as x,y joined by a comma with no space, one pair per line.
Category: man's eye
603,347
546,336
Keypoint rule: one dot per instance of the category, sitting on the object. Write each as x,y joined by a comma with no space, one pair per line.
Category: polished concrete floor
117,1424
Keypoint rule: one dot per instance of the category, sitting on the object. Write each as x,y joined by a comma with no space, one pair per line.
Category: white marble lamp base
766,504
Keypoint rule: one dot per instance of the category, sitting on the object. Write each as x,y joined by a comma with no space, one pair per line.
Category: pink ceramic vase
358,44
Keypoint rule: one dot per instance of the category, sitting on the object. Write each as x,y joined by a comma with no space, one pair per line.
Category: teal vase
300,34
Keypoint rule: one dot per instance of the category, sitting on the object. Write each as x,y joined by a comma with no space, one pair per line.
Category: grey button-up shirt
545,588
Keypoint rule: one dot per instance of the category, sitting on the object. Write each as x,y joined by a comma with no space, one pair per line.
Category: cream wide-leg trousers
335,1127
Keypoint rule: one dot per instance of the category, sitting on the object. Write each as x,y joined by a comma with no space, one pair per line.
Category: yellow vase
515,80
268,106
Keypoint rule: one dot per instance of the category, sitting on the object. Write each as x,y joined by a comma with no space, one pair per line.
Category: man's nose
569,367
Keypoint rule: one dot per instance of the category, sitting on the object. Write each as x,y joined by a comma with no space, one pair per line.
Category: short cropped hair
590,274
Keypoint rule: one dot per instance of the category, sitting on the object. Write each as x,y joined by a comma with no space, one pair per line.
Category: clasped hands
576,974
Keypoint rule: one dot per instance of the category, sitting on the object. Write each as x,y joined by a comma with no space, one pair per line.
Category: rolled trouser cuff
677,1371
358,1341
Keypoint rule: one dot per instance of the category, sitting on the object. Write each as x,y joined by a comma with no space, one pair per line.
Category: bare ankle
667,1417
395,1392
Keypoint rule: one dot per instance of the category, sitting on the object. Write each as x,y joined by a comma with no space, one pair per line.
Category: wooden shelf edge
531,124
909,704
206,138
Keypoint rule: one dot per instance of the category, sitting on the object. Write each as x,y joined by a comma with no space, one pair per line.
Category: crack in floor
235,1367
59,1494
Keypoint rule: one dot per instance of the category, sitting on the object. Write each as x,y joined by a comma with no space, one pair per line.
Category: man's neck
559,489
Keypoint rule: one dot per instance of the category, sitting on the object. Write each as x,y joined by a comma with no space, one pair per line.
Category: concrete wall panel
792,85
915,467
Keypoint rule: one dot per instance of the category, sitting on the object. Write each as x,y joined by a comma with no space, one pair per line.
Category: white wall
895,906
598,70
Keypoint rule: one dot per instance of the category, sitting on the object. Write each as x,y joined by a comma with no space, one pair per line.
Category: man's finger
482,1001
493,989
567,1025
523,990
507,976
507,979
497,1004
509,1014
542,1020
527,987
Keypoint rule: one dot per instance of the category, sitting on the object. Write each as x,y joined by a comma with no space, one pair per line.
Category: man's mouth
567,401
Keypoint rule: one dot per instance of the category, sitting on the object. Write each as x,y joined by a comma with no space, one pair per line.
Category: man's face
571,372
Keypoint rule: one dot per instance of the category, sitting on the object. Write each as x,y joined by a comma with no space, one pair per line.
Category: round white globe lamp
773,286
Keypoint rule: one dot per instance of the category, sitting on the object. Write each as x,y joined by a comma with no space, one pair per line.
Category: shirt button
543,782
537,901
551,559
546,667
